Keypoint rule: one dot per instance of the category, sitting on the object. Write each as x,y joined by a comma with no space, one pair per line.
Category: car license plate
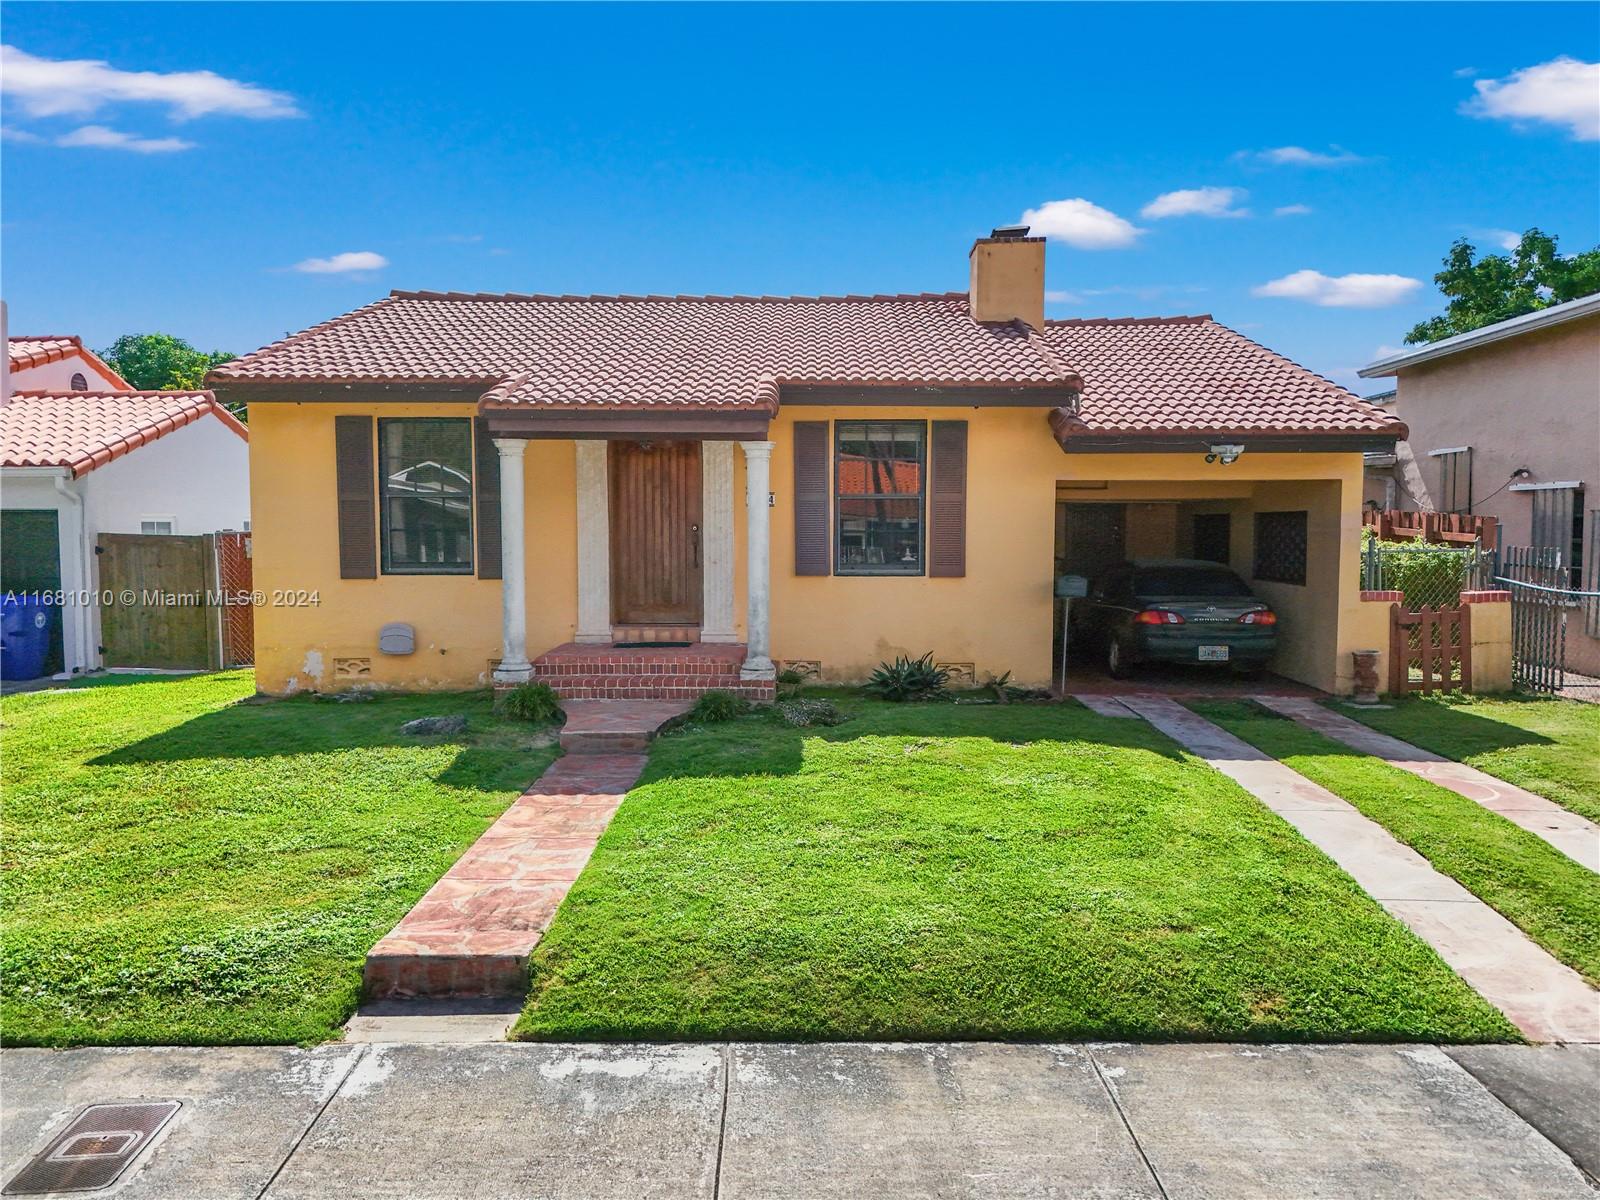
1213,654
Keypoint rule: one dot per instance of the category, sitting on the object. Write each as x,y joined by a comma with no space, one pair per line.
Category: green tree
1499,286
159,362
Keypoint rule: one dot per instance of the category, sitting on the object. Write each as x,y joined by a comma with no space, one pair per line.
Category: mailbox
1071,587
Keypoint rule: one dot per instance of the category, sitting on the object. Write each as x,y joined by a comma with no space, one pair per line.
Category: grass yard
935,871
1551,747
185,865
1554,900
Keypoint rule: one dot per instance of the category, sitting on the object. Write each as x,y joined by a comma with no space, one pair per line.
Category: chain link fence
1426,575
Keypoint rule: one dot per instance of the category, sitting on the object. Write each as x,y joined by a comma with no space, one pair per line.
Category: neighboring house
1505,422
78,462
829,481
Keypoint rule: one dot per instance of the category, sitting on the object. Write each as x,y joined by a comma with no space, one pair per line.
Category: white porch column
757,520
594,544
514,665
716,542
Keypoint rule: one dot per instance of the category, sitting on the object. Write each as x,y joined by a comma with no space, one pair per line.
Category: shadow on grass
1433,724
767,745
495,753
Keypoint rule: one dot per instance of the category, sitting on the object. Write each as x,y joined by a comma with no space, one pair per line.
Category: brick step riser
443,977
653,692
550,674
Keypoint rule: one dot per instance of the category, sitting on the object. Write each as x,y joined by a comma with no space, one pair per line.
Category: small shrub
791,682
909,679
810,712
535,702
717,706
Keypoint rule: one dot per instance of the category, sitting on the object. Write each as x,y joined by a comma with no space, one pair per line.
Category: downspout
87,651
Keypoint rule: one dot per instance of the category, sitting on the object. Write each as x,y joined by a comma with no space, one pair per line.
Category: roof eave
1544,318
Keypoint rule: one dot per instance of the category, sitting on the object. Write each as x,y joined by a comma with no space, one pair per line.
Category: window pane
879,481
426,469
880,460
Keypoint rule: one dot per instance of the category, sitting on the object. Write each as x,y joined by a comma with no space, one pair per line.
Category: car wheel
1116,663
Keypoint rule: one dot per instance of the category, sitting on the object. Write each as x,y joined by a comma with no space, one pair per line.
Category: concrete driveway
942,1120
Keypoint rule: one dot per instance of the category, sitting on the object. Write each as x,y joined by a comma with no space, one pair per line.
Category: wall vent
351,669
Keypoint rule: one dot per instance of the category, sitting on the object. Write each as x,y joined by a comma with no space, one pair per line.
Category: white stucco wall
198,475
57,376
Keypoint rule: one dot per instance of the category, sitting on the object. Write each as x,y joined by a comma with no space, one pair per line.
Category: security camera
1224,452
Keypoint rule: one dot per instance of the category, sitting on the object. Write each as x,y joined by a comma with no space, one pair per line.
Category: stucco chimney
1008,277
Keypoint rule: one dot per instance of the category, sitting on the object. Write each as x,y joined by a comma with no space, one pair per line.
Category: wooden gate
1430,649
155,611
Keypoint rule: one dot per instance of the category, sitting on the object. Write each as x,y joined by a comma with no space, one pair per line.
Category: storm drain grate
92,1151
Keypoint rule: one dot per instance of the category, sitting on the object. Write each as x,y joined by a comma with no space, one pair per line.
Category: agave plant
909,679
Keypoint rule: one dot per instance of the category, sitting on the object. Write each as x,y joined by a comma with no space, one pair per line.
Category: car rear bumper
1181,644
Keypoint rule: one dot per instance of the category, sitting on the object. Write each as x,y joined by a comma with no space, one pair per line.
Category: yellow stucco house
449,489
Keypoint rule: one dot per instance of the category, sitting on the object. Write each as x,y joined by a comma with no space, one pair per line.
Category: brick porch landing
590,672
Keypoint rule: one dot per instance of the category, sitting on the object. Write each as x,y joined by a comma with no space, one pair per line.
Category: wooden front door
655,533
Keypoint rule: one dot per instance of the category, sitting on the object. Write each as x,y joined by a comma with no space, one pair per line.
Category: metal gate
1542,600
235,578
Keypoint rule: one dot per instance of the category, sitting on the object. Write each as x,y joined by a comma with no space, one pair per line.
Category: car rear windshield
1189,581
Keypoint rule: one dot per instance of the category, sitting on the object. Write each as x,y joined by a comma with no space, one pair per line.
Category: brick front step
587,672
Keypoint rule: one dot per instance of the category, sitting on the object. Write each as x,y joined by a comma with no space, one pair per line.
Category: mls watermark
162,598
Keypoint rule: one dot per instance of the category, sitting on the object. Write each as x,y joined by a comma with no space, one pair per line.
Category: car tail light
1263,616
1158,616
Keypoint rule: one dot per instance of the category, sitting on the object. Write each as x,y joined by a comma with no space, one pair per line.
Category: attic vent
79,383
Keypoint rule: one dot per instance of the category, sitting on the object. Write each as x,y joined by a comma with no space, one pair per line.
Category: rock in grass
809,712
422,726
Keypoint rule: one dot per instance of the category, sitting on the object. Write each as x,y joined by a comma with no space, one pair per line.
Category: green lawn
182,864
934,871
1554,900
1551,747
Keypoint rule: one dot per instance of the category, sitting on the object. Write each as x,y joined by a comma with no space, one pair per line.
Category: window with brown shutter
947,501
487,477
353,469
878,480
811,498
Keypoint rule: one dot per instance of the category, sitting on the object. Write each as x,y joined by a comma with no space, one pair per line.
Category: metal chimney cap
1009,232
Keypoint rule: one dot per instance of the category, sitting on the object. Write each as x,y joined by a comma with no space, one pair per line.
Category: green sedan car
1174,610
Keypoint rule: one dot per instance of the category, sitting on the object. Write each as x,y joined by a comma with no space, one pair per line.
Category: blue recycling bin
25,625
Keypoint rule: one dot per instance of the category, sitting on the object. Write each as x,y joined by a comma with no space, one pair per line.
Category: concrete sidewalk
833,1120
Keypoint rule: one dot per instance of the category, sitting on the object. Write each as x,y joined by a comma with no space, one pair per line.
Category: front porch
655,571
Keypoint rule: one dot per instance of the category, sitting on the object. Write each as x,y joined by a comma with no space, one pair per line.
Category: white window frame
167,519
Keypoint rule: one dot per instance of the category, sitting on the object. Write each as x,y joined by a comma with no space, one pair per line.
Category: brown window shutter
358,539
486,471
947,501
811,498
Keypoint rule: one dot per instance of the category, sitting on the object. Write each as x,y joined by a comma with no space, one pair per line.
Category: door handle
694,541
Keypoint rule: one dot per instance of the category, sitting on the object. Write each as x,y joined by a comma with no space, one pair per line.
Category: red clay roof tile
85,430
1141,375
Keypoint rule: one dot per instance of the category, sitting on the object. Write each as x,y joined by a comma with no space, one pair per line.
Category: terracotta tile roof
35,351
1178,375
85,430
1158,375
640,351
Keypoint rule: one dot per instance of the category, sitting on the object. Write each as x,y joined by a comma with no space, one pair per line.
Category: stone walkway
1546,1000
471,935
1574,836
779,1121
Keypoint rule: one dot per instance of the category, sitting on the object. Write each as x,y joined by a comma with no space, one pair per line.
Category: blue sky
822,149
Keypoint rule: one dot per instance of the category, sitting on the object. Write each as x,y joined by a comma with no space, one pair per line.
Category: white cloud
46,87
1464,72
1341,291
12,134
1082,224
98,137
1299,156
1562,91
341,264
1197,202
1292,210
1504,238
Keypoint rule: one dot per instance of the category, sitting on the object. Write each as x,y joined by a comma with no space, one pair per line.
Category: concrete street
493,1120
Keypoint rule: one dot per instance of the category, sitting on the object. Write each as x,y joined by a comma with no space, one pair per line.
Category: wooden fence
175,602
1444,529
1430,649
